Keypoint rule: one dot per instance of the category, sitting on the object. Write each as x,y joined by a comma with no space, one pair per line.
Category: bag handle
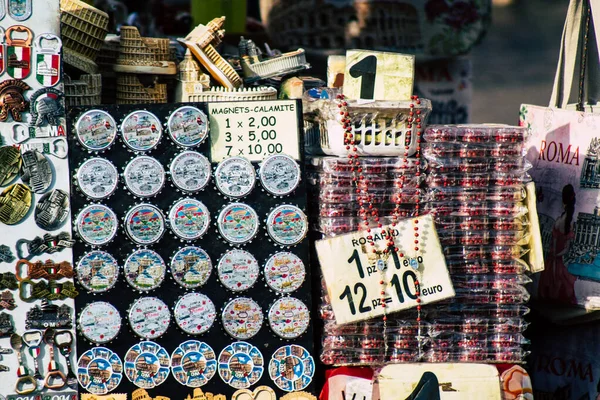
580,18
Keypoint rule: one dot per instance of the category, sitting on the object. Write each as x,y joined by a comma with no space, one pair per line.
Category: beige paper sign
354,281
448,381
254,130
376,75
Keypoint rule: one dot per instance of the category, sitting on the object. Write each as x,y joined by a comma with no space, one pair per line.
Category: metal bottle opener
26,383
55,379
64,342
32,339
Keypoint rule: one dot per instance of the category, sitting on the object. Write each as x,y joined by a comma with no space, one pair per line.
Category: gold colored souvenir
111,396
200,395
15,202
260,393
10,164
12,100
298,396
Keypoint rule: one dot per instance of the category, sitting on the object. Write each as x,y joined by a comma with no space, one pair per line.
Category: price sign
353,279
254,129
376,75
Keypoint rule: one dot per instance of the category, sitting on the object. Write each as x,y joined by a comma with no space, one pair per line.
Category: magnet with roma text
190,171
194,313
279,174
188,126
97,271
241,365
284,272
97,178
242,318
96,130
193,363
2,38
144,270
52,210
144,176
47,110
238,223
238,270
191,267
20,10
144,224
96,224
189,219
99,370
18,50
149,317
289,317
147,364
141,131
36,171
235,177
287,225
47,47
99,322
291,368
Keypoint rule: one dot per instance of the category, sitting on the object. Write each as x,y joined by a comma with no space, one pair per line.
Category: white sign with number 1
353,279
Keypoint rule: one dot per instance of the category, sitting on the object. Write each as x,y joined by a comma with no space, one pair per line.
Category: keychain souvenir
47,46
46,108
36,171
20,10
190,171
141,131
15,202
97,271
188,126
144,270
147,364
241,365
99,370
52,210
191,267
18,51
12,99
54,379
195,313
193,363
291,368
96,130
284,272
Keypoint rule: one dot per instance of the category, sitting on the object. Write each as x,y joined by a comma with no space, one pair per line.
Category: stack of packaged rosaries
476,191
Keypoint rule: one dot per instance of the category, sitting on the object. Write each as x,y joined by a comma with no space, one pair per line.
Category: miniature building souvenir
257,67
141,55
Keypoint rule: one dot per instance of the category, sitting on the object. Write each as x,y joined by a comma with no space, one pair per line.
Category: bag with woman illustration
564,148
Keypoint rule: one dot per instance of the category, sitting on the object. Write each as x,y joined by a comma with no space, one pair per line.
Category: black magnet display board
122,295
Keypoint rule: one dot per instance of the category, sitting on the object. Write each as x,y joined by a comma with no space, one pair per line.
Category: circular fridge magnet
238,270
287,225
96,224
96,130
235,177
189,219
99,322
191,267
144,176
238,223
144,224
147,364
188,126
242,318
291,368
193,363
99,370
279,174
144,270
149,317
241,365
284,272
289,317
190,171
97,178
97,271
141,131
195,313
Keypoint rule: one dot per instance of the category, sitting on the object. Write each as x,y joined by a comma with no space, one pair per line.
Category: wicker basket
380,128
131,91
86,91
83,29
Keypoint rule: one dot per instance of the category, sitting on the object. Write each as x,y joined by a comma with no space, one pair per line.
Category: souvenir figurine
257,66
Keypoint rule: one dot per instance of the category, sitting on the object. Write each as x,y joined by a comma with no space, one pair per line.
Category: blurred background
478,60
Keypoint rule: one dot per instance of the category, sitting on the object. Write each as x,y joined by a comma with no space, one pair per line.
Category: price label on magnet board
254,129
353,279
376,75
